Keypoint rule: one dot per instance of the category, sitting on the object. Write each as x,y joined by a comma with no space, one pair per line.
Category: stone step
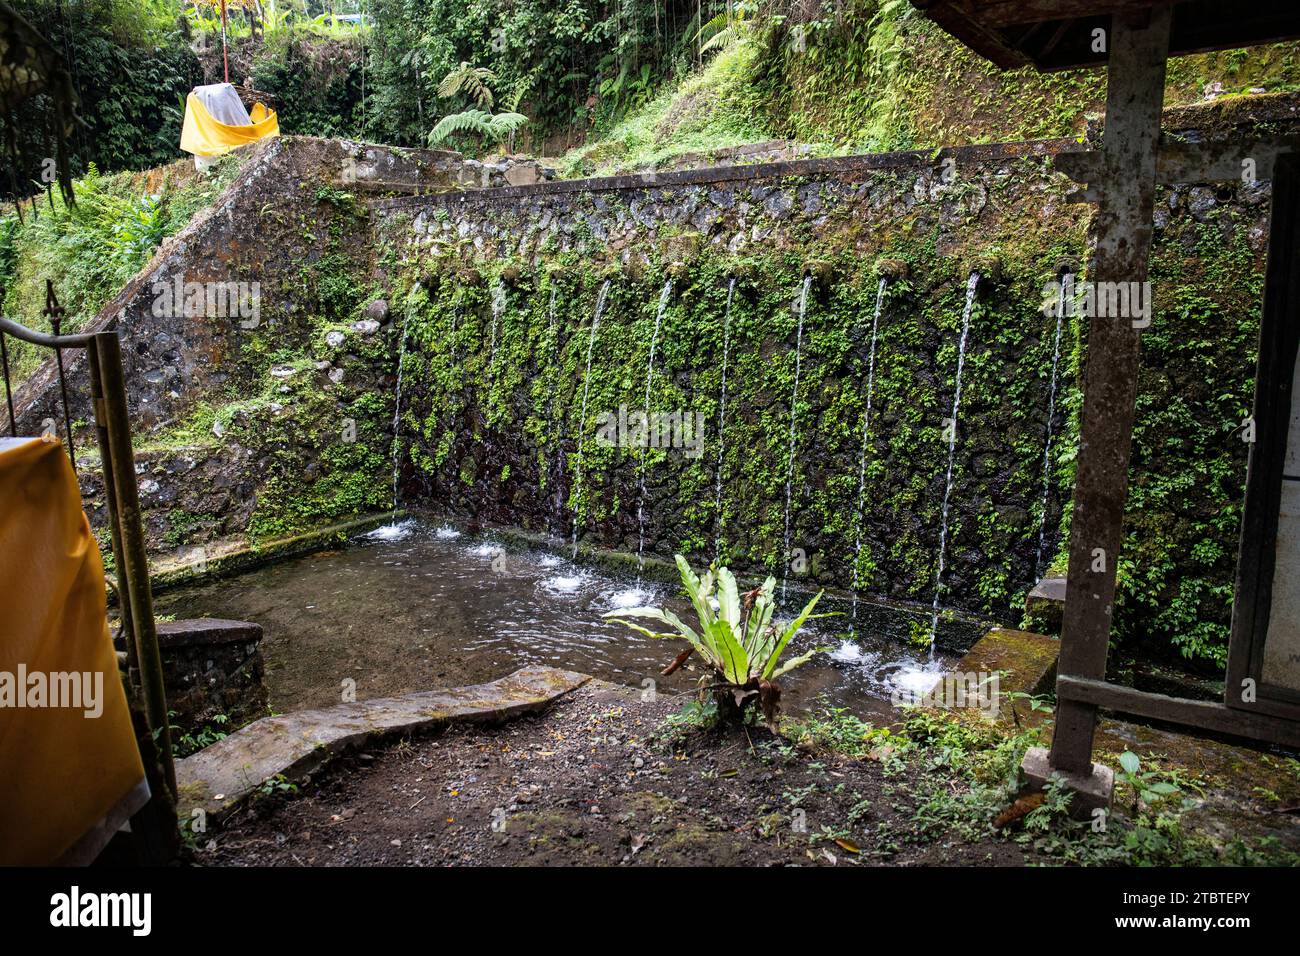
220,777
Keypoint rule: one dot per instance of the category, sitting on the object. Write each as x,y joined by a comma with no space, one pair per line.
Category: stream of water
794,405
582,418
649,378
1066,281
971,285
722,421
862,458
397,417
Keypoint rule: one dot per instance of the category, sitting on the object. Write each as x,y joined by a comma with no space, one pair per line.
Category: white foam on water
446,533
392,532
564,584
915,681
629,597
847,653
486,550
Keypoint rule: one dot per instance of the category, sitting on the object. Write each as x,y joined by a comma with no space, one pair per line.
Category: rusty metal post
110,503
4,366
134,571
1139,48
55,313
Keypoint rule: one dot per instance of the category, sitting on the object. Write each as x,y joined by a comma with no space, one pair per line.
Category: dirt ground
595,781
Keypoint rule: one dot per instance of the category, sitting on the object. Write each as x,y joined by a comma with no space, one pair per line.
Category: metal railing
121,495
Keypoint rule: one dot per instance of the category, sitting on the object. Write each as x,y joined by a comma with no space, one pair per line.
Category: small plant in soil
736,636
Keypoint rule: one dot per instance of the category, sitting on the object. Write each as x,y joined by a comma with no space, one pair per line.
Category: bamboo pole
134,572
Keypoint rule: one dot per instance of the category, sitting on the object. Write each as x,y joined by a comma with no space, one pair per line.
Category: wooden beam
1007,13
1205,714
1122,242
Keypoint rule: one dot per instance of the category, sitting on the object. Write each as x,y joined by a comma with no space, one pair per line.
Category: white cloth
223,104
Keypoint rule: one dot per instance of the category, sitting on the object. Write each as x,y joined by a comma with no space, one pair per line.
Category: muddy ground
598,780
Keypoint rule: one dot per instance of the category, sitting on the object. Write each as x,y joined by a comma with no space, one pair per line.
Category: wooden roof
1058,34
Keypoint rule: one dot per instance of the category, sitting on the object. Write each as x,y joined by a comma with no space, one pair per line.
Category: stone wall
494,417
213,669
496,390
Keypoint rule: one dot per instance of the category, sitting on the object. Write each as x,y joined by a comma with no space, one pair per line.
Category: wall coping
205,631
862,162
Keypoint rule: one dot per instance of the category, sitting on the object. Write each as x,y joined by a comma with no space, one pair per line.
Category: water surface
420,606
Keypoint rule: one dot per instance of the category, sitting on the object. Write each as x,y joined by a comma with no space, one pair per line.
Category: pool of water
418,606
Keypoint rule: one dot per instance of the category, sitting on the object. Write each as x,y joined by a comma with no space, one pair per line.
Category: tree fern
469,80
469,121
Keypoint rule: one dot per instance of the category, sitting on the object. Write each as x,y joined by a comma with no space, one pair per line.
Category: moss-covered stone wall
495,394
494,421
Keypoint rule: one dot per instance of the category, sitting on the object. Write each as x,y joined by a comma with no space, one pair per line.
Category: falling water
397,417
649,377
794,400
1066,280
862,460
557,465
722,418
498,309
971,285
582,420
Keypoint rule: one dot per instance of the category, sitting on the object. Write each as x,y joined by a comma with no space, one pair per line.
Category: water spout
557,464
971,284
794,404
1067,280
397,418
649,377
498,310
582,420
862,458
722,421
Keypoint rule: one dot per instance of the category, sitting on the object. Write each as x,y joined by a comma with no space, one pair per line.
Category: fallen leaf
848,846
1023,806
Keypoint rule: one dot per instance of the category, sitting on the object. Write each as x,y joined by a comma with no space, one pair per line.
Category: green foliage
492,128
184,744
92,249
128,68
565,63
739,639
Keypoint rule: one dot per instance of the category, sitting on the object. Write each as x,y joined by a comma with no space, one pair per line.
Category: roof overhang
1059,34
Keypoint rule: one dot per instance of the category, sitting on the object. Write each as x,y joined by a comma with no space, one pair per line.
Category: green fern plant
493,127
737,639
479,120
471,81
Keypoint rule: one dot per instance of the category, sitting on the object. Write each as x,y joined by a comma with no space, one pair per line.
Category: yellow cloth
62,773
204,136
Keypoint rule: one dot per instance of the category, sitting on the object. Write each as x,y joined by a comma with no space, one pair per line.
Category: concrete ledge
1092,790
1026,661
220,777
200,631
219,559
1045,604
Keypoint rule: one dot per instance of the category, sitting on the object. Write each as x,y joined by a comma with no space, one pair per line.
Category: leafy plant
479,120
736,637
469,80
1147,785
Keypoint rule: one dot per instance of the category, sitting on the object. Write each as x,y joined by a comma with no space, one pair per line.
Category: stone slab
1045,604
1091,790
218,778
1025,660
206,630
